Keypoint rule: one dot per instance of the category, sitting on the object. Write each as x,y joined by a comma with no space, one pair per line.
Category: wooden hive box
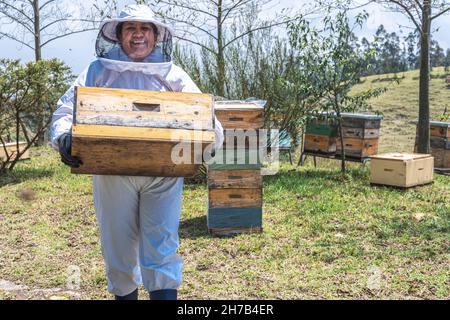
230,221
401,169
138,132
321,129
235,179
316,143
241,122
10,149
358,148
441,158
360,133
236,159
363,121
440,129
239,115
235,198
241,139
440,143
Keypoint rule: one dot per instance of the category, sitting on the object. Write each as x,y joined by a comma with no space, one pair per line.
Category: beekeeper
138,216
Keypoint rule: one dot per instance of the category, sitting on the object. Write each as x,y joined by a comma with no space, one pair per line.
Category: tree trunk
37,31
424,86
220,59
38,56
338,115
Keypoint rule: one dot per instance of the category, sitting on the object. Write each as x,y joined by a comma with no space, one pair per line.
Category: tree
437,56
264,65
204,24
422,14
338,67
369,46
21,117
447,60
412,58
388,52
34,23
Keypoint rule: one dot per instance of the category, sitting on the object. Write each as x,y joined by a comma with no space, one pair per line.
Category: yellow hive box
11,151
401,169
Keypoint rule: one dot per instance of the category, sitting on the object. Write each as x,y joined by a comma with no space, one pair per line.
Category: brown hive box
441,158
364,121
401,169
440,129
241,122
360,133
250,178
235,198
134,132
319,143
359,148
239,115
10,149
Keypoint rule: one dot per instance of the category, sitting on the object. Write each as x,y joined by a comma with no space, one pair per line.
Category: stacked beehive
361,133
320,135
440,144
234,177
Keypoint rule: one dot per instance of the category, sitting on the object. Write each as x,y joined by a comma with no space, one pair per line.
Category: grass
326,236
323,234
400,106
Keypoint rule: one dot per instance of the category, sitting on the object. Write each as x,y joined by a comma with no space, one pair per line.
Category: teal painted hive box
236,159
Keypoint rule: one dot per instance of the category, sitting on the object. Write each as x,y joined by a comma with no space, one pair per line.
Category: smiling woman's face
138,39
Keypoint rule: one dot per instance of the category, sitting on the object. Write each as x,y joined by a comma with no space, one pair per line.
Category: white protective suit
138,216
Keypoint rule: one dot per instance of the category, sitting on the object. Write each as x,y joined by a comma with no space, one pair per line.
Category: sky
79,49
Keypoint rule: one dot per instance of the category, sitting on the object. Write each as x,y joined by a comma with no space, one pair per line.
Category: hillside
400,106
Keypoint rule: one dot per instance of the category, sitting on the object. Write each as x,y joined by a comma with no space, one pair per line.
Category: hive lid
143,108
440,123
362,116
401,156
239,105
349,115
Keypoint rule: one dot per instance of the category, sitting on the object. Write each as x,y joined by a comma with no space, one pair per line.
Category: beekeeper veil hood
108,46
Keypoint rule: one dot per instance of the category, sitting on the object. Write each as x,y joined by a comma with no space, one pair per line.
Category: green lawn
325,236
400,106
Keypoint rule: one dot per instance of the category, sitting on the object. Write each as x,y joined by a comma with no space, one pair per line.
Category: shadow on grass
24,174
194,228
316,174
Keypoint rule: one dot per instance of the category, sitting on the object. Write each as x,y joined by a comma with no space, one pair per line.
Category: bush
28,97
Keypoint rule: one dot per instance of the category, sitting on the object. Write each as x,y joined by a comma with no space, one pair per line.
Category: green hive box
321,129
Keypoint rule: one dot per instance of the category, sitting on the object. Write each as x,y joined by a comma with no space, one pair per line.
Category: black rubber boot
130,296
165,294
